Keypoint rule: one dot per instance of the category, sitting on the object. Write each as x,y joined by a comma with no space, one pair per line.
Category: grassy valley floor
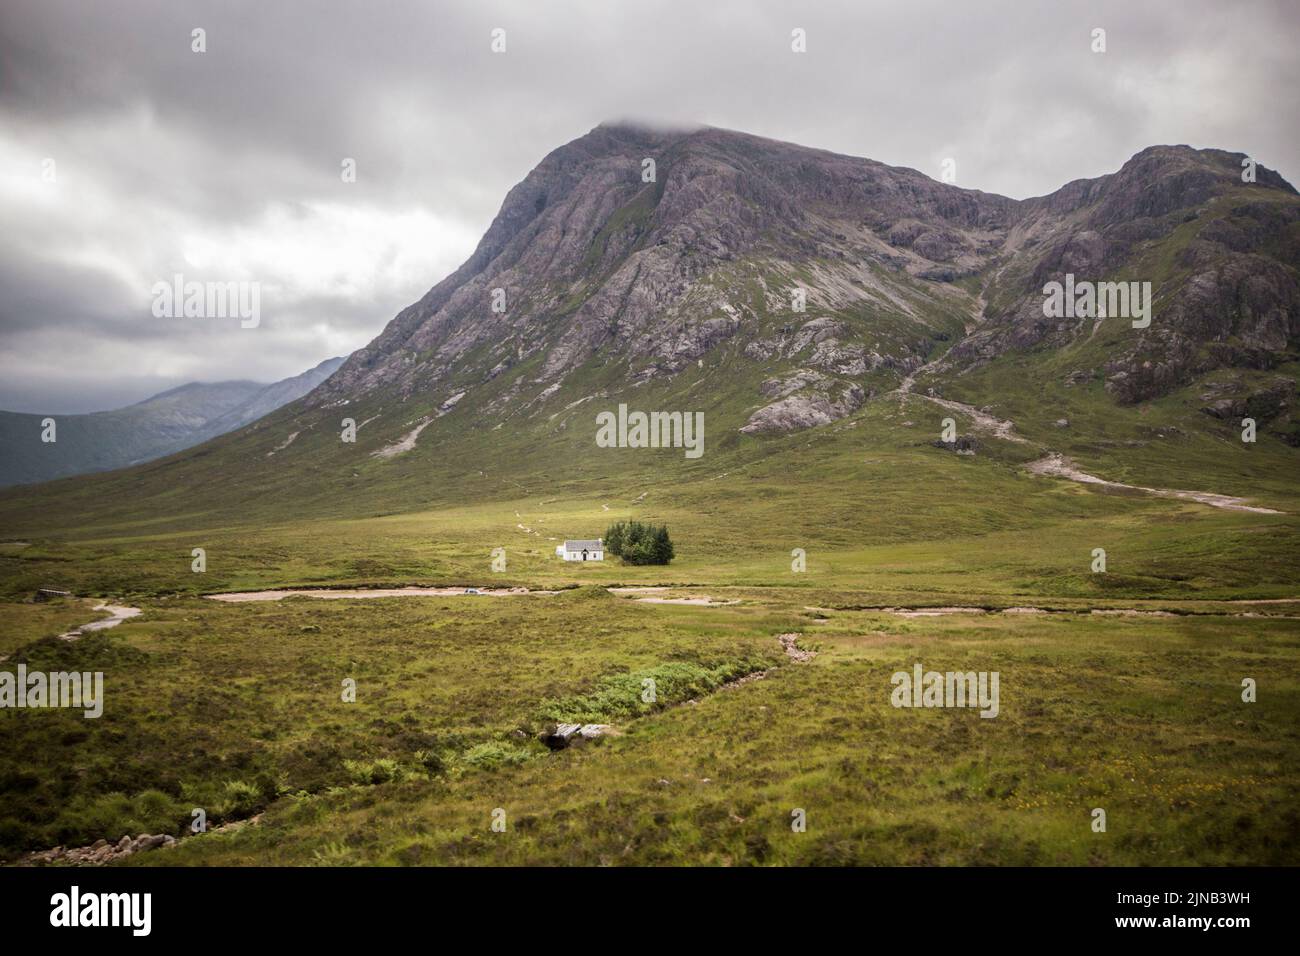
237,709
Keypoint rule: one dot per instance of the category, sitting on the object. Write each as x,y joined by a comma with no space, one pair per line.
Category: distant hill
166,423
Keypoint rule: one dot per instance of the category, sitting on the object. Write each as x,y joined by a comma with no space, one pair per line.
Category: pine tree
614,537
663,545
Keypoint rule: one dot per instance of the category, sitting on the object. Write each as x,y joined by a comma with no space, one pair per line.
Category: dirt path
700,601
931,611
905,386
1055,465
917,612
117,614
241,597
1058,466
999,427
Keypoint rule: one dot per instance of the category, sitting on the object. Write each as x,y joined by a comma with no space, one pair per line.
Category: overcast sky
225,165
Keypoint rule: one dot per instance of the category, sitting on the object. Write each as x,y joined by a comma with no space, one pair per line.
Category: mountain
268,398
1222,256
166,423
776,288
601,269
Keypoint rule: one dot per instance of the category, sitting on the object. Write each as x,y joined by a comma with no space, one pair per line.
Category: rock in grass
961,445
560,736
564,735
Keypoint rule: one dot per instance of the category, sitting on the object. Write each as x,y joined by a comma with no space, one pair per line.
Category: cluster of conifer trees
638,543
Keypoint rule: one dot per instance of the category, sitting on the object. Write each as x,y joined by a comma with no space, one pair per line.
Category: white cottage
581,550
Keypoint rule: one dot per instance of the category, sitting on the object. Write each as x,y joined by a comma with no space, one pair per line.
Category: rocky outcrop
809,399
1226,293
101,851
1262,405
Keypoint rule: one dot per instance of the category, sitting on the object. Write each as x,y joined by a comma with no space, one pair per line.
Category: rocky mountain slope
1222,256
162,425
592,267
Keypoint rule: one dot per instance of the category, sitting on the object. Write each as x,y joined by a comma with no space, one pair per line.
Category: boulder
961,445
560,736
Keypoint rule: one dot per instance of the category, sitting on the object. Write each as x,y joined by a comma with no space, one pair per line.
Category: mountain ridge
160,425
583,239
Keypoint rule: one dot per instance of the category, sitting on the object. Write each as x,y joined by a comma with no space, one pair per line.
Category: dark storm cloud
225,165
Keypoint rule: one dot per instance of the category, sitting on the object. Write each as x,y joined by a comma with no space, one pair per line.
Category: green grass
25,623
1140,717
236,708
226,707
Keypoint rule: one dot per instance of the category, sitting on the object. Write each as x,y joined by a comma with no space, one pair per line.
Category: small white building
581,550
